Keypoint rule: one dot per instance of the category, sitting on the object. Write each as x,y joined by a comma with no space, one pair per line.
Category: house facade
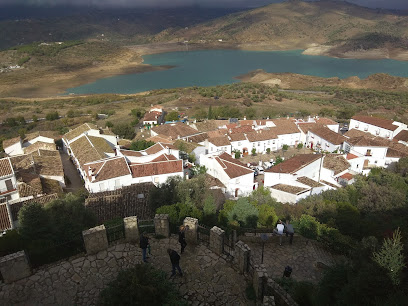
377,126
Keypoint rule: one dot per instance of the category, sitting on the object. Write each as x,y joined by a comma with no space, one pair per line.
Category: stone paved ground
208,279
306,257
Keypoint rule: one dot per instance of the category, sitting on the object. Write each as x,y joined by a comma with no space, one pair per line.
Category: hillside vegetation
297,24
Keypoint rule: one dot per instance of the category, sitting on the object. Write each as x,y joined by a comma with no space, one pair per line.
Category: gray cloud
390,4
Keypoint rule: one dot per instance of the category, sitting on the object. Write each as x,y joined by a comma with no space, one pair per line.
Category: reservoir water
216,67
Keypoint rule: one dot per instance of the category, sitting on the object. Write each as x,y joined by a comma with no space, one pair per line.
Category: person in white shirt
279,231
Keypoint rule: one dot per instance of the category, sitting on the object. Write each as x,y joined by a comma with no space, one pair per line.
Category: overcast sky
390,4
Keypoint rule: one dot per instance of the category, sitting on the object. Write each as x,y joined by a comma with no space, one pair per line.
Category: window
140,196
273,142
9,185
356,126
368,153
239,143
269,142
102,186
366,128
377,132
156,179
237,181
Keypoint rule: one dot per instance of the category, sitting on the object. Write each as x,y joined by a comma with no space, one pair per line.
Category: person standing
144,243
279,231
182,238
175,262
289,231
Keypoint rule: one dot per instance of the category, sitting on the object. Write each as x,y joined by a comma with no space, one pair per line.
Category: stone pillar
217,240
95,239
162,225
260,276
191,225
242,254
14,267
268,301
131,228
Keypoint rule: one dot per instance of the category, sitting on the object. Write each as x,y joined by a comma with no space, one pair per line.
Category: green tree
209,207
268,150
141,285
250,113
140,145
200,114
267,216
51,116
124,130
109,124
34,222
137,113
165,193
299,146
244,213
172,116
391,257
278,160
253,151
10,122
237,154
210,113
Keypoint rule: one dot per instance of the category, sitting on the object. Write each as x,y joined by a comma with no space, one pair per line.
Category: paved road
71,172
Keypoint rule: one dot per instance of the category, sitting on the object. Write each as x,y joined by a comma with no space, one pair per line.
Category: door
9,185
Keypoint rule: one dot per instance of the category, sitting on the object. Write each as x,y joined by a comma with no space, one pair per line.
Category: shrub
245,213
141,285
308,227
267,216
52,116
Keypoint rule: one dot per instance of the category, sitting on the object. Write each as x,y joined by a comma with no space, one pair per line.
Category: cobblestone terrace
306,257
208,279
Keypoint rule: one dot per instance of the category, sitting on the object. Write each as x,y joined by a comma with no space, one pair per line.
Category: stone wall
217,240
14,267
162,225
95,239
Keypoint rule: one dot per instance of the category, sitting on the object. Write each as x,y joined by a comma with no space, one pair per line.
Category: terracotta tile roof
347,176
232,167
80,130
351,156
9,142
210,125
328,135
156,168
213,182
176,130
5,222
160,138
284,126
152,116
216,133
356,133
131,153
380,122
295,163
50,186
238,137
325,121
47,134
101,145
197,138
262,135
335,162
241,129
364,141
40,145
107,169
157,148
84,151
397,150
220,141
48,165
401,136
329,184
232,125
164,157
305,127
308,181
290,189
29,183
246,122
5,167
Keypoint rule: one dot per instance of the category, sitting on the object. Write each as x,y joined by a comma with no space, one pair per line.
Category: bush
308,227
244,213
52,116
11,242
124,130
267,216
141,285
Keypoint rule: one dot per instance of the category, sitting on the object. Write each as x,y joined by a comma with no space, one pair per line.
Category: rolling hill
330,27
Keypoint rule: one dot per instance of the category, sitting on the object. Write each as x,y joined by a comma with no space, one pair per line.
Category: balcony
7,191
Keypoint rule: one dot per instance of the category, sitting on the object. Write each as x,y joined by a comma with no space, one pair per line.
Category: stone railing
16,266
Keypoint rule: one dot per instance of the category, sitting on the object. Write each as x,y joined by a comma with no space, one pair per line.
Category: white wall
244,184
375,130
108,185
39,138
149,158
240,145
213,148
15,149
288,139
324,144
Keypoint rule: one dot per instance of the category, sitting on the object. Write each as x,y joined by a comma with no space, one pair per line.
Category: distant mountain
22,25
296,24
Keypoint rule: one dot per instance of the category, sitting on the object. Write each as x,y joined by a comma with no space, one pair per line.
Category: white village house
377,126
237,178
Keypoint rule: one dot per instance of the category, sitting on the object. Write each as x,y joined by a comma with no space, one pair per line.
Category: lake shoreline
131,62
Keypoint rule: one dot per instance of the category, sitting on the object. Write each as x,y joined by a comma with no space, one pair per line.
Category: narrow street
74,181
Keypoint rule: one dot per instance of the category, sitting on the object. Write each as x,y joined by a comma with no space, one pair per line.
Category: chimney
90,172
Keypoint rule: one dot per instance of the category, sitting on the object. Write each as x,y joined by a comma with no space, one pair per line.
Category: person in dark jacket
175,262
289,231
144,243
182,238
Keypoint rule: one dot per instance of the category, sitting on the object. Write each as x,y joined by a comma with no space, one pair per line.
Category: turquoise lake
216,67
